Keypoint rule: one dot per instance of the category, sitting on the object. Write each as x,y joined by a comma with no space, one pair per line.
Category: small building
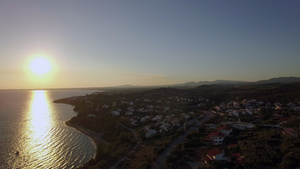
215,154
133,121
129,113
164,127
175,122
149,132
225,130
211,126
157,118
105,106
144,119
215,138
115,113
91,116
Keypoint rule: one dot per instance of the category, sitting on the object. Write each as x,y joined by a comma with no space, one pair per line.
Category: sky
110,43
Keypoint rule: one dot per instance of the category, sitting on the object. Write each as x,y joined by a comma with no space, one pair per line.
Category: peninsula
206,126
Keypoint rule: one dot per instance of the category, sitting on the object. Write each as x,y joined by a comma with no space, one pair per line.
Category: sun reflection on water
39,126
40,115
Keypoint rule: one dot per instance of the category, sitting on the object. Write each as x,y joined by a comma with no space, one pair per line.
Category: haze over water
33,125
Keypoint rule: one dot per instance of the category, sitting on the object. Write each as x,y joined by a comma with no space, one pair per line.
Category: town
211,126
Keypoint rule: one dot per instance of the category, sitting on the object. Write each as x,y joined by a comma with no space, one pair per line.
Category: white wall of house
218,140
226,132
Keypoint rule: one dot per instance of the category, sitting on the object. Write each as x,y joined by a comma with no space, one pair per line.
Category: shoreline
94,136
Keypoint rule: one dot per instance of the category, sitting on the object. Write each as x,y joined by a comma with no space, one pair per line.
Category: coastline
94,136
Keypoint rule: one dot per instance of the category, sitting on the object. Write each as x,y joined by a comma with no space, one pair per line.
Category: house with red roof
215,154
215,138
225,130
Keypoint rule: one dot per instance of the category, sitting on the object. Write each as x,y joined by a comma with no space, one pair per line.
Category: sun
40,66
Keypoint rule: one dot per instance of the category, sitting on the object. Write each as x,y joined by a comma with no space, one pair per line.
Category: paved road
159,163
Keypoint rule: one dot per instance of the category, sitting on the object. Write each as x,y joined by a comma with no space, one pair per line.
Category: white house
164,127
129,113
157,118
116,113
149,132
105,106
133,122
91,116
146,118
175,122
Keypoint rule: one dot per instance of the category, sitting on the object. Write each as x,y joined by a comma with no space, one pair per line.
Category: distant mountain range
194,84
281,80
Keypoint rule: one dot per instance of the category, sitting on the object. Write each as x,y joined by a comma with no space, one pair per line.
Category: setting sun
40,70
40,66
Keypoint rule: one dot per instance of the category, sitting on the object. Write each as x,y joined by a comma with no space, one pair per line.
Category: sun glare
40,66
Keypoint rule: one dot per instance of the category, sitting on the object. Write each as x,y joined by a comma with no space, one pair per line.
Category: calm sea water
31,124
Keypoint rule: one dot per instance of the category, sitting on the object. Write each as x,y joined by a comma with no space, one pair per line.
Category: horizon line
146,86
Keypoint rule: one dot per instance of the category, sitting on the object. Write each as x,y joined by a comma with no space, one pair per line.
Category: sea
33,133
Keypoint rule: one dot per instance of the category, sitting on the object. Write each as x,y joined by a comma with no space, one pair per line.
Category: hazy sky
107,43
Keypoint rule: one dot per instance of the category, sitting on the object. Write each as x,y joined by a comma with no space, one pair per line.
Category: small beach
94,136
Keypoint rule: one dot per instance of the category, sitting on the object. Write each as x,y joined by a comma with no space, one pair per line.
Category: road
159,163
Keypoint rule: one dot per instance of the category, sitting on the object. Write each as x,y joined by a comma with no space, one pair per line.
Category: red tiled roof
236,155
214,152
210,136
224,128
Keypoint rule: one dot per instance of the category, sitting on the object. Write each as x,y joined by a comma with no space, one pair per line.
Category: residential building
215,155
225,130
215,138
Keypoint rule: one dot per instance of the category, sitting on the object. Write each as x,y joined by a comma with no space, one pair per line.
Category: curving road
159,163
